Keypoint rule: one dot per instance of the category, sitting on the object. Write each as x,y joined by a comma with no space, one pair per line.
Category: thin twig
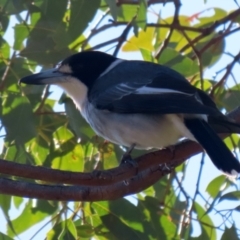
224,78
165,43
211,28
123,37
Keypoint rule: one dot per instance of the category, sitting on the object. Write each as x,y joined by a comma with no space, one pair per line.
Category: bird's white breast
145,130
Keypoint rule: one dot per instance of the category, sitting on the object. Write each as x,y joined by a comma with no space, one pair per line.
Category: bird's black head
86,66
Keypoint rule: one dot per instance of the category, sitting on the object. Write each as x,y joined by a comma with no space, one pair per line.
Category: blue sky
189,7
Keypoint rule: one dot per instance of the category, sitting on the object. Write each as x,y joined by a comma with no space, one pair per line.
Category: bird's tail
223,124
220,155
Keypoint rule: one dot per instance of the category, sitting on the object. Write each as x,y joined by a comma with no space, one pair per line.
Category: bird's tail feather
222,124
220,155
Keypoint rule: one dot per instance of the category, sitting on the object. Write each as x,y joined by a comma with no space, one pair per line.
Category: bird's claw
126,158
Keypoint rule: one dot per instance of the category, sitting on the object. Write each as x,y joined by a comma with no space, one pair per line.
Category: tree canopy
56,171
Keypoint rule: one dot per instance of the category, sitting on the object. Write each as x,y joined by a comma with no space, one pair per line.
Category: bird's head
84,66
75,74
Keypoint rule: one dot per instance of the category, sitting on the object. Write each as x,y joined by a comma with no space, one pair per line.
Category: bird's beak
51,76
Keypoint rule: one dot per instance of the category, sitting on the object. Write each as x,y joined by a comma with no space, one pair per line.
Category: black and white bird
141,104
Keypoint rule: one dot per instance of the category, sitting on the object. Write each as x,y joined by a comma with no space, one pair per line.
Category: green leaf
5,203
70,160
30,216
160,188
212,54
34,18
85,231
49,13
63,230
142,14
17,201
156,224
121,219
69,155
4,23
214,186
126,12
177,40
232,141
230,233
84,10
17,108
18,69
41,46
12,7
4,237
208,232
231,196
21,32
71,228
80,41
230,97
178,62
61,37
147,55
143,41
109,157
61,136
206,21
38,148
169,228
4,51
207,84
113,8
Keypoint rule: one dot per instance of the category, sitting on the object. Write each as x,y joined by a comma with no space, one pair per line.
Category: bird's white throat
75,89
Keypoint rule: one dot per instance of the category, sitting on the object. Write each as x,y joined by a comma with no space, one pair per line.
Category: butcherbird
141,104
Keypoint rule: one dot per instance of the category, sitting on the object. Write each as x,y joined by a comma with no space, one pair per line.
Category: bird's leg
126,157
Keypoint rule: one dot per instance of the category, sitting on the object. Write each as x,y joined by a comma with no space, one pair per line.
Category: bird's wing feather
156,104
150,88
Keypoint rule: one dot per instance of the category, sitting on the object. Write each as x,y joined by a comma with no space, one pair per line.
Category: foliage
36,130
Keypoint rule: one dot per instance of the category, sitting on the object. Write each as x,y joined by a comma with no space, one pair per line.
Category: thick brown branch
97,178
78,193
177,156
132,185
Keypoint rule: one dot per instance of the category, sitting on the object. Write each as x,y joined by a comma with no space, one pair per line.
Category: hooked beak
51,76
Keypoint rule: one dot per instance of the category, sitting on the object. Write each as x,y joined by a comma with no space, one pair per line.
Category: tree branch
207,31
165,43
225,76
152,167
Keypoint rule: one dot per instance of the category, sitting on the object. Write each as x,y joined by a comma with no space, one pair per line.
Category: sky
232,46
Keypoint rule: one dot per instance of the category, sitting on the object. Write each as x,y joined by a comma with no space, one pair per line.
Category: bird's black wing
149,88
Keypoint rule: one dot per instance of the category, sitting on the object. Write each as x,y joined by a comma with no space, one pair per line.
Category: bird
142,105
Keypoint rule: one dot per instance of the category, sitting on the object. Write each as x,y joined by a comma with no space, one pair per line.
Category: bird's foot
126,158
